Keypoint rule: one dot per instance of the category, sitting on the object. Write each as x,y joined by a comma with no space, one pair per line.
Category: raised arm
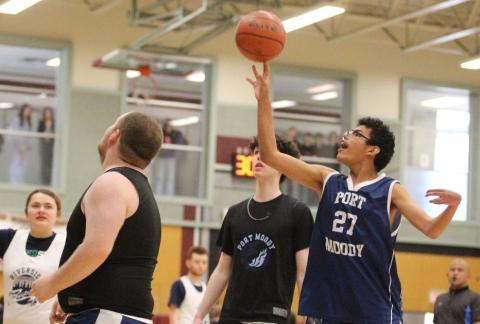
431,227
309,175
216,284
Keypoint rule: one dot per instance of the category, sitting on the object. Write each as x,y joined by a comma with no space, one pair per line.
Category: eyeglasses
356,133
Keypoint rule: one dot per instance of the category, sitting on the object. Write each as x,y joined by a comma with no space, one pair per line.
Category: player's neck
267,189
40,233
194,278
112,161
362,173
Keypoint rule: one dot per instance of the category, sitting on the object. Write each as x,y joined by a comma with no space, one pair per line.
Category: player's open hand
261,82
444,197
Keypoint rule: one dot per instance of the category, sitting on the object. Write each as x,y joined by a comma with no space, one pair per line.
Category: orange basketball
260,36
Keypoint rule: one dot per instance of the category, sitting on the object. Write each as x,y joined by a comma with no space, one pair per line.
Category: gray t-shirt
450,307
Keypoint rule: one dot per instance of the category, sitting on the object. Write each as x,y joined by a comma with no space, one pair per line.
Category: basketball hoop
144,86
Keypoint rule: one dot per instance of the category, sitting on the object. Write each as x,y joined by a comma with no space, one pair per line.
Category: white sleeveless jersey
190,303
19,272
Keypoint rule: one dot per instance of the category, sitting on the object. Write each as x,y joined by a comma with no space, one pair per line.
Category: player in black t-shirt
264,242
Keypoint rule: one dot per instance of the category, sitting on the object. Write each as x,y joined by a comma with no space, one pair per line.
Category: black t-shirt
450,307
262,241
177,293
34,247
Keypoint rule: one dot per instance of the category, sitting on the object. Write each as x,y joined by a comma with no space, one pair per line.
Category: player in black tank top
113,235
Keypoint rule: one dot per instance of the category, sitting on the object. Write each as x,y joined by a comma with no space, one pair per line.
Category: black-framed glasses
356,133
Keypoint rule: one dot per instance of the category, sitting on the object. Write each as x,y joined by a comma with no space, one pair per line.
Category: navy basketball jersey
351,272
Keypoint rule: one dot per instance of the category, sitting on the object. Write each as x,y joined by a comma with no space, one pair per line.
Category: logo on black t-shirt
254,251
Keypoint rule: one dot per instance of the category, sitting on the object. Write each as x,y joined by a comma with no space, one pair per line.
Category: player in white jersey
29,254
187,292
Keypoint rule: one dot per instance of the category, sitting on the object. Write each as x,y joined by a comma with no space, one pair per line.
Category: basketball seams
259,36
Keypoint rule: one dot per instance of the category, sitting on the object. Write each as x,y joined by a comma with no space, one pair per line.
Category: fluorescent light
444,102
283,104
6,105
185,121
311,17
171,66
196,76
133,74
54,62
321,88
13,7
325,96
472,63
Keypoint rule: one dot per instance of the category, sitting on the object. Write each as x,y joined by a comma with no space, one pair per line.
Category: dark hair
197,250
140,139
381,136
42,124
20,115
48,193
284,146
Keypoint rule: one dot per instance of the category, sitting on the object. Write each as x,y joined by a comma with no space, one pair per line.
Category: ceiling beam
424,11
442,39
473,14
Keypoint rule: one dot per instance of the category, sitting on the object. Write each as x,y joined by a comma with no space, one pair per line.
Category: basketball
260,36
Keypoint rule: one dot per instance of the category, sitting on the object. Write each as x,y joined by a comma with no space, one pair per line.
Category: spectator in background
171,135
20,144
166,165
292,136
331,147
308,147
187,292
459,303
320,144
29,254
46,125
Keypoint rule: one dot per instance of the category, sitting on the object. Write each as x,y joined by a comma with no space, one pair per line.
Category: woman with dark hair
46,125
21,144
29,254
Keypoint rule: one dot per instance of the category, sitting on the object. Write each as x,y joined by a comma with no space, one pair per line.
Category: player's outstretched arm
431,227
216,284
311,176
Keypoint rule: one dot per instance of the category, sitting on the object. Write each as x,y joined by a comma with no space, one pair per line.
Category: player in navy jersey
351,272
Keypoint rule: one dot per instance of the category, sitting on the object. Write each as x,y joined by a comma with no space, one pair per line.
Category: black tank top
123,282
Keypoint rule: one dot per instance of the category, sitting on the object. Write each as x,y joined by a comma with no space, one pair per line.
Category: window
438,146
311,108
32,106
176,92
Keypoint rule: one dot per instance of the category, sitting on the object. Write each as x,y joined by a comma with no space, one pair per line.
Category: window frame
63,93
474,132
208,132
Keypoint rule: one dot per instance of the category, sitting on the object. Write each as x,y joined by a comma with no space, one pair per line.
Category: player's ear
373,150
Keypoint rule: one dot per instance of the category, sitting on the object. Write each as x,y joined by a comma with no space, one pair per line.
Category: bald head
458,273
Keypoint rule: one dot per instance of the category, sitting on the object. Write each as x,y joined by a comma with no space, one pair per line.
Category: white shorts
103,316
